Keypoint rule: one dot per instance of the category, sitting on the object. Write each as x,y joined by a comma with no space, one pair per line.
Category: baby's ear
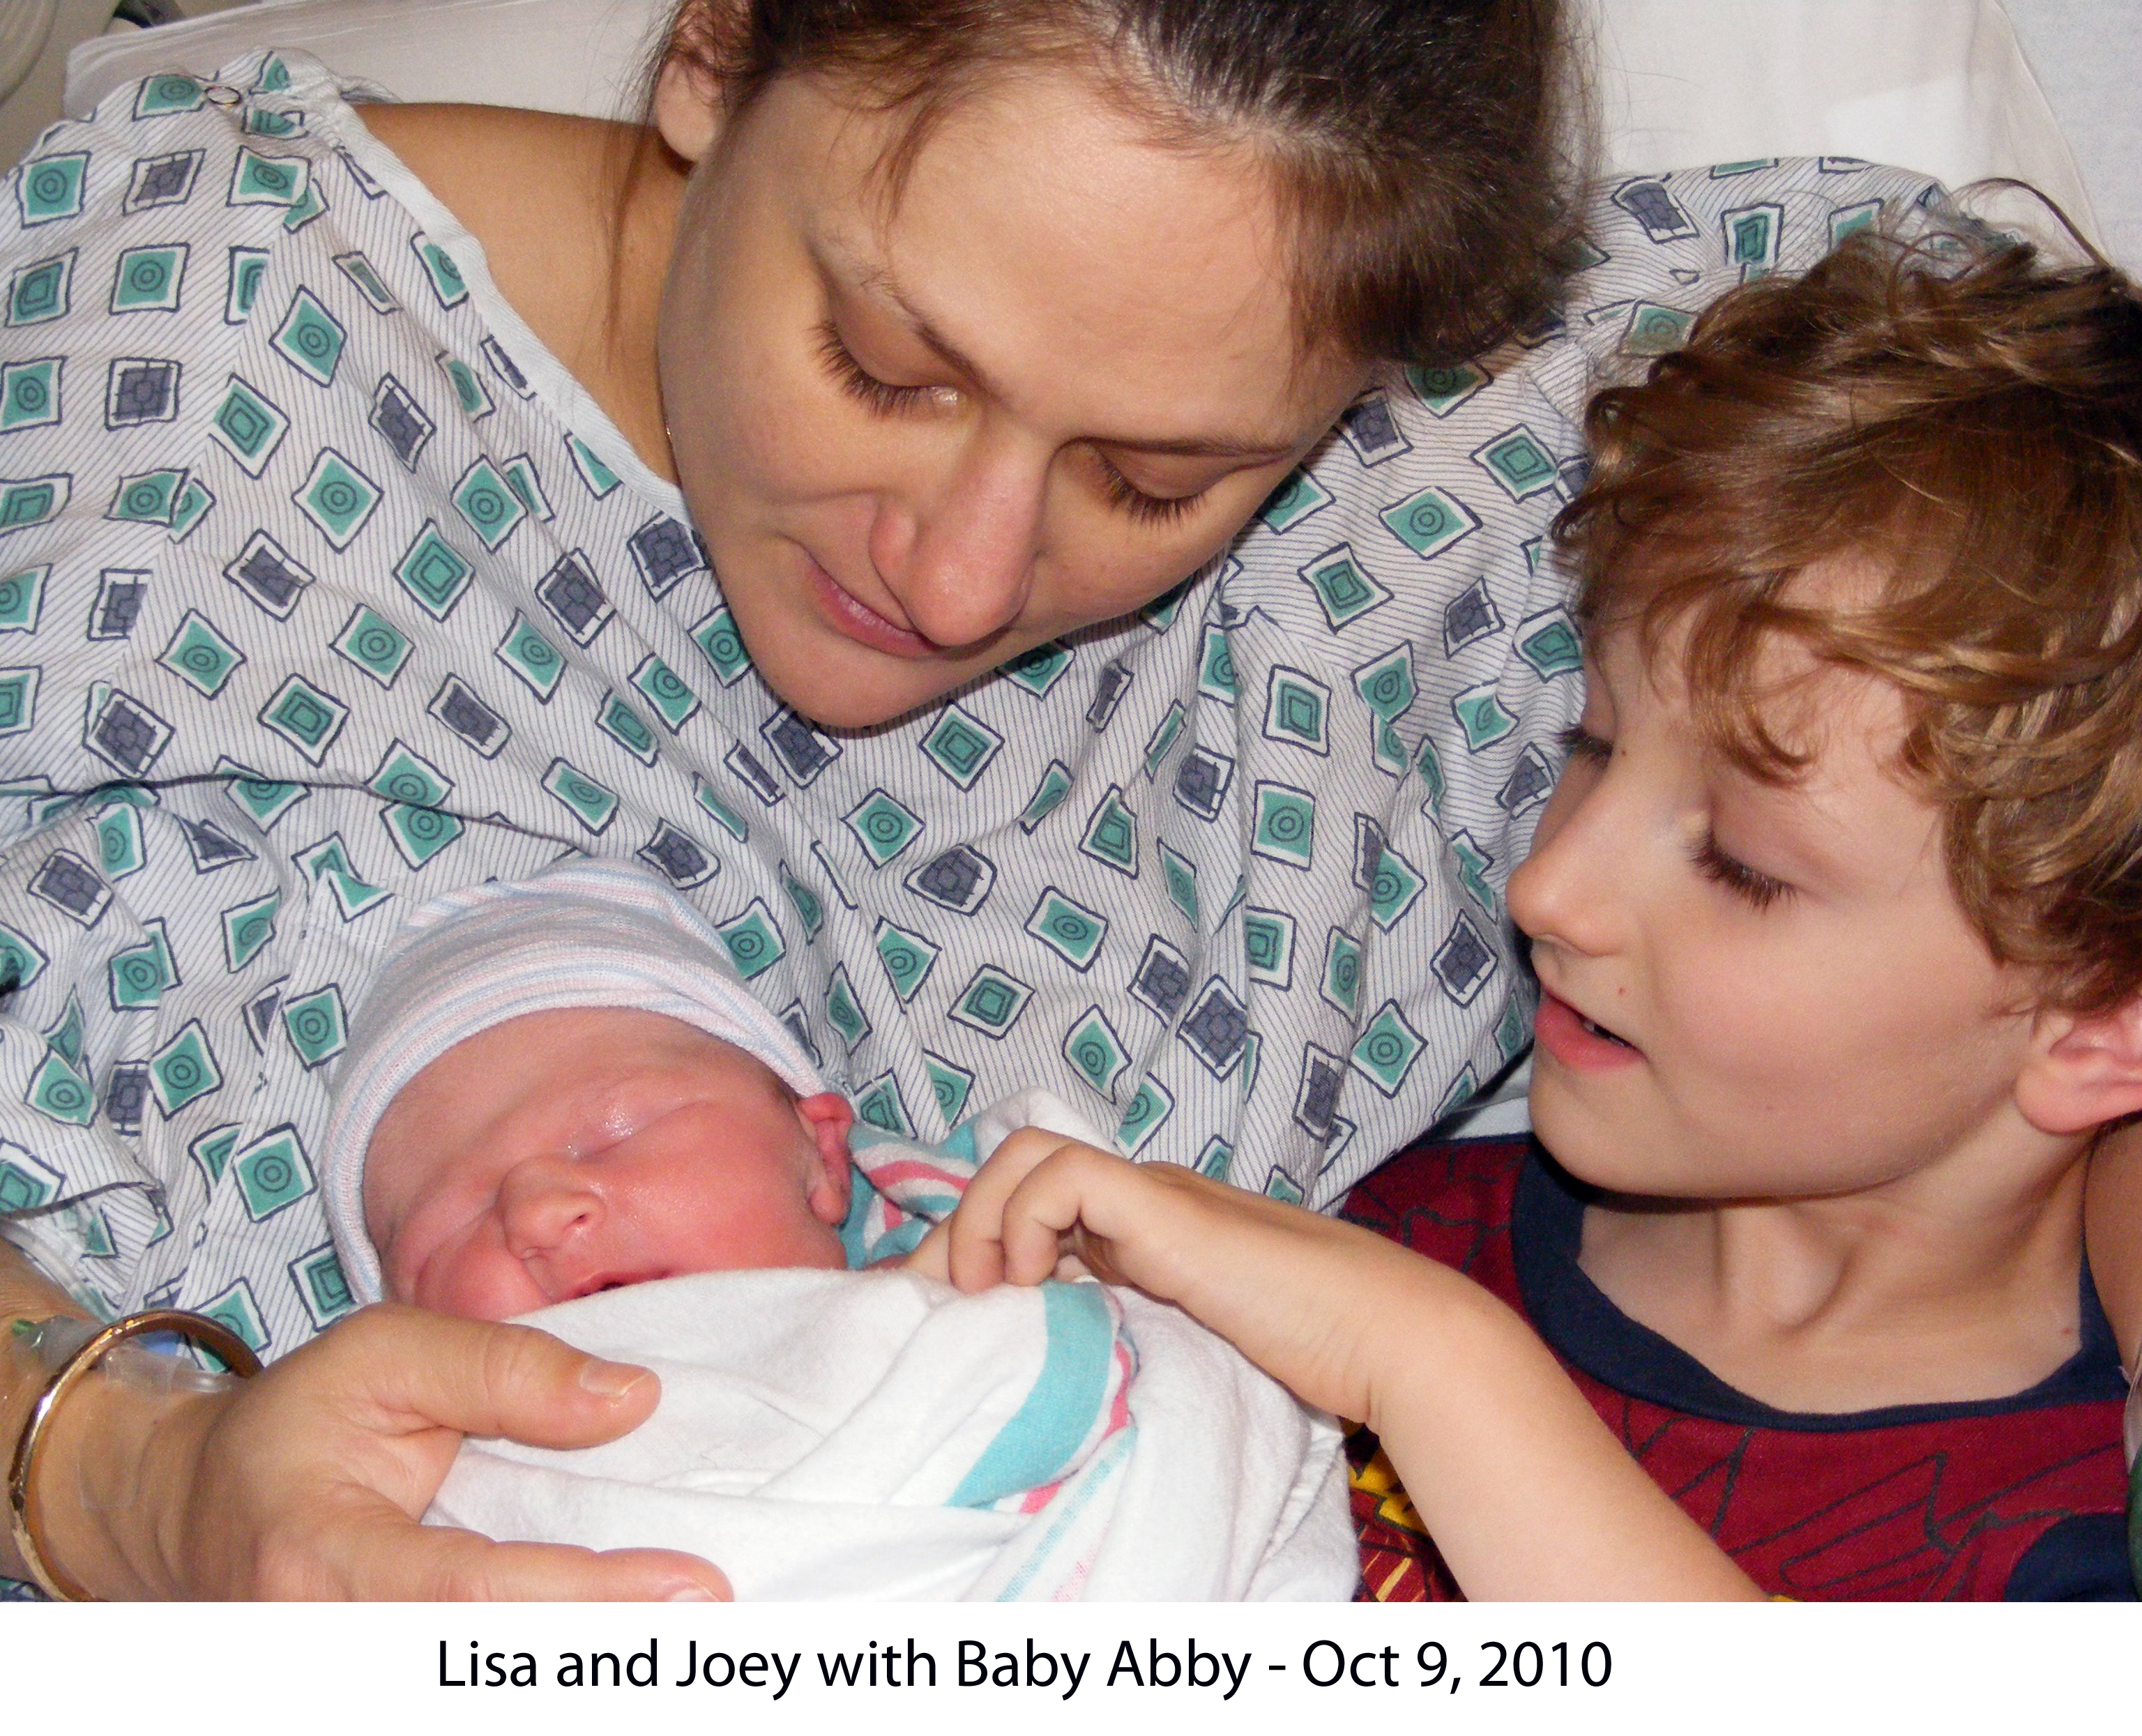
2083,1070
827,1118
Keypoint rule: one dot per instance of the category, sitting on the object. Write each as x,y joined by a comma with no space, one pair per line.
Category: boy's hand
1008,1165
1279,1282
1525,1491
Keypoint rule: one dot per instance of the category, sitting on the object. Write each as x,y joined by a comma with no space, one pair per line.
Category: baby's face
565,1152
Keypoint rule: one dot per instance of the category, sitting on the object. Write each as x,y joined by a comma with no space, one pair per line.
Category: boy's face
561,1153
1750,990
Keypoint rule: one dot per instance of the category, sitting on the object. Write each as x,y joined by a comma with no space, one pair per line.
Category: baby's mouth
1599,1030
596,1283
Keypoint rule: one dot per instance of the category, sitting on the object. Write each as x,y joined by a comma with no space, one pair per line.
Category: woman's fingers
308,1480
412,1370
382,1554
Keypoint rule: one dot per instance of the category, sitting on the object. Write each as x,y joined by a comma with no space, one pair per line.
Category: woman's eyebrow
880,280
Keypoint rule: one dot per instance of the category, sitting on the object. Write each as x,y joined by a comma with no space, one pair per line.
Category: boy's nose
545,1204
1562,893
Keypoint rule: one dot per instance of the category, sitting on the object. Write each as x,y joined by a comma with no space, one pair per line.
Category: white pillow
1934,84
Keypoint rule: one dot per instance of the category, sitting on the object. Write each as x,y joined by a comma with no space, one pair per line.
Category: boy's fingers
932,1255
1056,1198
975,1256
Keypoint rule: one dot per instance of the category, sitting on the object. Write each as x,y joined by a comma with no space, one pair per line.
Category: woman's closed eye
1751,885
1125,496
882,397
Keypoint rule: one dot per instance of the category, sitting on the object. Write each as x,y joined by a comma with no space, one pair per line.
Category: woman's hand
308,1480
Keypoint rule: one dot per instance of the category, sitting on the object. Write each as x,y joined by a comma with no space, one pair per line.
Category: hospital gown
322,587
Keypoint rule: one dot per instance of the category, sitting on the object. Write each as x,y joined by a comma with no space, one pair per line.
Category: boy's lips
1577,1041
850,616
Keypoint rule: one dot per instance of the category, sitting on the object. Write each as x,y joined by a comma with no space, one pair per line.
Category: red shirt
2020,1498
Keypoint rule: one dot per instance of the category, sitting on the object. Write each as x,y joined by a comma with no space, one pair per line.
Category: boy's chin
1591,1148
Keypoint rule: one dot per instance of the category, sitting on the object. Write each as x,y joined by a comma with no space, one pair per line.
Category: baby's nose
545,1205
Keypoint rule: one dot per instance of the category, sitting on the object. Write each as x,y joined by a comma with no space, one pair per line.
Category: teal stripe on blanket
1058,1412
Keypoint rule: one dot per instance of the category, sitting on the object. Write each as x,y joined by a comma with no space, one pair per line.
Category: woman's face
924,430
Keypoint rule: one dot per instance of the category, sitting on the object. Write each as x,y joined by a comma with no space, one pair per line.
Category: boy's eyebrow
880,279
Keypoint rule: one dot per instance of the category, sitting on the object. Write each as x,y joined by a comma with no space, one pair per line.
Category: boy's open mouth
1577,1040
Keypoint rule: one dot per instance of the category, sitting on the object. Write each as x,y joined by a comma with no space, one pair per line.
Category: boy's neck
1957,1283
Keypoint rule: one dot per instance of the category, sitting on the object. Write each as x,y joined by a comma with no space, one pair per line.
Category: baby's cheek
477,1282
766,1233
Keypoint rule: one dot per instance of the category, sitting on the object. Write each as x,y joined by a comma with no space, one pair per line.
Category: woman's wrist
114,1457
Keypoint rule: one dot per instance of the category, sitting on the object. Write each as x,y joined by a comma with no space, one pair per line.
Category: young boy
1836,914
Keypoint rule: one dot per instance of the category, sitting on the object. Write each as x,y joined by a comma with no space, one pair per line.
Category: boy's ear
2083,1070
827,1118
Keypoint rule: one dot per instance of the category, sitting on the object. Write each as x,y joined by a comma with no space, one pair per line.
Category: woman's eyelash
886,399
866,388
1737,877
1578,742
1127,496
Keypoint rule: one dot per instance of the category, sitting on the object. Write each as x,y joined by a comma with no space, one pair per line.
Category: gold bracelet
210,1334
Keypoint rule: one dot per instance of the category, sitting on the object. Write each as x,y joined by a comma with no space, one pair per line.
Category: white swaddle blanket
876,1435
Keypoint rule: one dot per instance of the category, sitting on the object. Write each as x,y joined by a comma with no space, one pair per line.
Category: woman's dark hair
1423,151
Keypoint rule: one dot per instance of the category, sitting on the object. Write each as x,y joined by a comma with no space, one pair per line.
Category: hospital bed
2037,89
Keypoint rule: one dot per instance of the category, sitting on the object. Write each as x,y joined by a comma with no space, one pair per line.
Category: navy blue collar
1586,1329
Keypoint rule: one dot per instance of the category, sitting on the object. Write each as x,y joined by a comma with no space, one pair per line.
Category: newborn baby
558,1087
568,1152
559,1103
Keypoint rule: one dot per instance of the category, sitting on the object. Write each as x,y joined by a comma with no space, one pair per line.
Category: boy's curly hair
1967,421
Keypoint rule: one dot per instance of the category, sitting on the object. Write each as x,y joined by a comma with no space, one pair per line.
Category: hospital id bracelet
71,1349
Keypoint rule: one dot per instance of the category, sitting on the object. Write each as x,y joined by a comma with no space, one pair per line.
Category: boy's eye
1749,885
1579,743
880,395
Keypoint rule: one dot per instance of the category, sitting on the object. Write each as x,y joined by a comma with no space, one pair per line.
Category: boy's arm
1525,1491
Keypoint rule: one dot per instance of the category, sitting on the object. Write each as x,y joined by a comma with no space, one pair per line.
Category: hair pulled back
1420,148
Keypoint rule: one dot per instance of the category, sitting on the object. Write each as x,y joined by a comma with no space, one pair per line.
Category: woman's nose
960,556
546,1203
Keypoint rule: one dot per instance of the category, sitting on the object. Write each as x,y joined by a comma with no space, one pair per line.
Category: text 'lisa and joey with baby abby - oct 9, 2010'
1147,1662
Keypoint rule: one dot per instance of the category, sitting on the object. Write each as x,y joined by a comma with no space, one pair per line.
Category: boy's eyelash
1737,877
1749,885
848,374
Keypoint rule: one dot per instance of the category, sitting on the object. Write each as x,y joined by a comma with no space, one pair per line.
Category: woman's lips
1574,1041
857,620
